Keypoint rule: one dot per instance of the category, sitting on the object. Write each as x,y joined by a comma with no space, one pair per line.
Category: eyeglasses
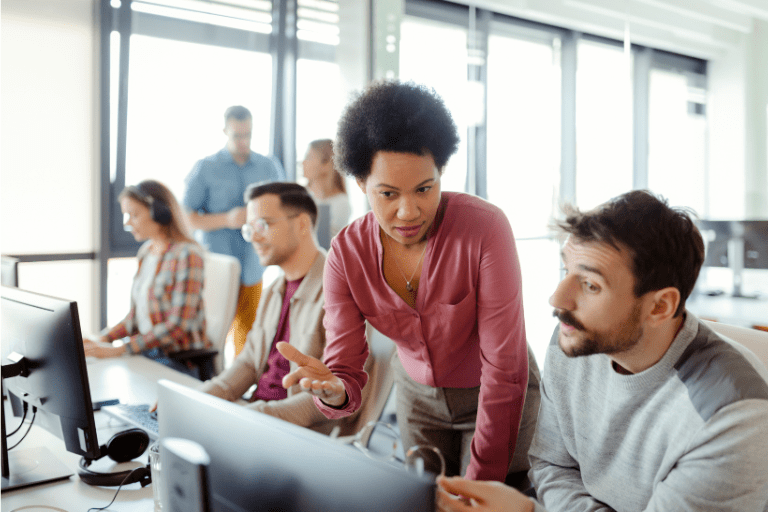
260,226
411,462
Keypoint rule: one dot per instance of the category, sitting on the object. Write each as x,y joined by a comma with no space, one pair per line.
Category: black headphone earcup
127,445
160,212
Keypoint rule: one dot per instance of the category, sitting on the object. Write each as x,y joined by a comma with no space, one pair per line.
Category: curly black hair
389,115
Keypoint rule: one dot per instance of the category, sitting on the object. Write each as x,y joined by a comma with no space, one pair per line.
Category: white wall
49,150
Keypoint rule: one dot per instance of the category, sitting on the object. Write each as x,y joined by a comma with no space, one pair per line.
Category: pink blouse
467,328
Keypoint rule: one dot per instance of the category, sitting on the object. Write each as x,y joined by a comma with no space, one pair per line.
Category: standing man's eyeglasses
260,226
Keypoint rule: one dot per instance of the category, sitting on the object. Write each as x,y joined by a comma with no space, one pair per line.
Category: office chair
221,286
380,383
754,339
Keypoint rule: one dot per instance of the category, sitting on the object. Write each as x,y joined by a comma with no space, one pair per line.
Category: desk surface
132,380
730,310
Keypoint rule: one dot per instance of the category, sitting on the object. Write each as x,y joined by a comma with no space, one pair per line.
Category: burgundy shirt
467,328
270,385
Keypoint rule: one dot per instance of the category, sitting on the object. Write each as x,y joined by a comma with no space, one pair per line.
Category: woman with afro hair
437,273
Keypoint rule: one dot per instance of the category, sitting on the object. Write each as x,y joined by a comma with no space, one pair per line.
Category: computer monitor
258,462
10,271
755,244
44,367
736,244
716,234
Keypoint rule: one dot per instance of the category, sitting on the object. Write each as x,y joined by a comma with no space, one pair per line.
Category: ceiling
702,28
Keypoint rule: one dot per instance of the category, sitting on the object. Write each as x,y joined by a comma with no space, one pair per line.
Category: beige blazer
307,334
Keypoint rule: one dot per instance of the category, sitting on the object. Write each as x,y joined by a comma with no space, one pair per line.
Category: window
603,123
434,54
523,174
524,131
178,94
677,130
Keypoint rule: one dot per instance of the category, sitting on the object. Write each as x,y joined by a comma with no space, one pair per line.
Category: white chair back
220,291
380,380
754,339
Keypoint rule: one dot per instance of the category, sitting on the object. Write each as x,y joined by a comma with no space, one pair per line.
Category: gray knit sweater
689,433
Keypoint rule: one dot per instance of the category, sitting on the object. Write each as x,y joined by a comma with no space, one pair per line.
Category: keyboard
136,415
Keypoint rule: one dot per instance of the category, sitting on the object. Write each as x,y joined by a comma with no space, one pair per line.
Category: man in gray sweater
642,406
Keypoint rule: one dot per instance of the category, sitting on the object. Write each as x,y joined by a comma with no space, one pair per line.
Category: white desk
730,310
132,380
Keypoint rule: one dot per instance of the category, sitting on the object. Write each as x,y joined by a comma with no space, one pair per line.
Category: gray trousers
445,418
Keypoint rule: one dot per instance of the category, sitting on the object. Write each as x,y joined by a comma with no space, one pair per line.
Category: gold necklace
407,281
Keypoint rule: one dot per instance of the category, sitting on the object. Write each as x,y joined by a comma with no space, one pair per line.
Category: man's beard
593,342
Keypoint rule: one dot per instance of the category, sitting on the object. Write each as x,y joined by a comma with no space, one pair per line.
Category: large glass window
603,123
319,102
523,131
677,140
523,143
178,93
434,54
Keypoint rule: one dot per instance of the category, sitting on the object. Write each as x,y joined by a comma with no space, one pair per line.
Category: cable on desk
31,422
117,491
24,417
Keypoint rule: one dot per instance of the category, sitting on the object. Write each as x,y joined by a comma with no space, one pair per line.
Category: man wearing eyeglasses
280,225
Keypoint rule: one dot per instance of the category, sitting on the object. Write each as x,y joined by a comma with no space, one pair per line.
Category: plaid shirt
175,303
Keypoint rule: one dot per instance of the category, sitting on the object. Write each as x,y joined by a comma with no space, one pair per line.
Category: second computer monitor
263,463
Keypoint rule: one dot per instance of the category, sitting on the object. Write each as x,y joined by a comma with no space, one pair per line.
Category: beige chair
220,292
221,286
755,340
380,380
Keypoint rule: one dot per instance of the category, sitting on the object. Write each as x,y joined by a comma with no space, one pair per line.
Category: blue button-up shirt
216,184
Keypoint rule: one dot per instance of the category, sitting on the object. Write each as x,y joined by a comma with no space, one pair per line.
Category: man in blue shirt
214,201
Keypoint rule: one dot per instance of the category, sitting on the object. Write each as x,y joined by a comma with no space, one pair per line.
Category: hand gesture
313,376
236,217
459,495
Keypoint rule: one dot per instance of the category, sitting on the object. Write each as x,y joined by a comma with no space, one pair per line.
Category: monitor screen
755,244
258,462
45,332
716,234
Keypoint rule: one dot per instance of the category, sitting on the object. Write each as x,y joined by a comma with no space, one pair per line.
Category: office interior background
556,101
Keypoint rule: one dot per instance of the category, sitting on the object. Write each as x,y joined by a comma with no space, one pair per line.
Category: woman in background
326,183
166,314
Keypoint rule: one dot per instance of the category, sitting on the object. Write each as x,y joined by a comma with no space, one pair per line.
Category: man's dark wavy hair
401,117
664,243
293,197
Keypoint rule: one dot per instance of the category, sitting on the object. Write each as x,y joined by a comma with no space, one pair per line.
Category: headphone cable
31,422
117,491
24,417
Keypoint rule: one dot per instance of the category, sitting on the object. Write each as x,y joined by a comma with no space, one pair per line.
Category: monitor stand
736,264
31,466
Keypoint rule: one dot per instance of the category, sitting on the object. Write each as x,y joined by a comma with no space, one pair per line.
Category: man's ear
361,184
665,303
305,224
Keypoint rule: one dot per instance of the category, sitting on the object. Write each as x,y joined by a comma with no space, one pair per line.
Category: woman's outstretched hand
313,376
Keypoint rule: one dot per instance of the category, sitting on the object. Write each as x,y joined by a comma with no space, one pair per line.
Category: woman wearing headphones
166,313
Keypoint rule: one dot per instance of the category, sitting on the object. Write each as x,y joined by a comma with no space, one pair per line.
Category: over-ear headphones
121,447
158,209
